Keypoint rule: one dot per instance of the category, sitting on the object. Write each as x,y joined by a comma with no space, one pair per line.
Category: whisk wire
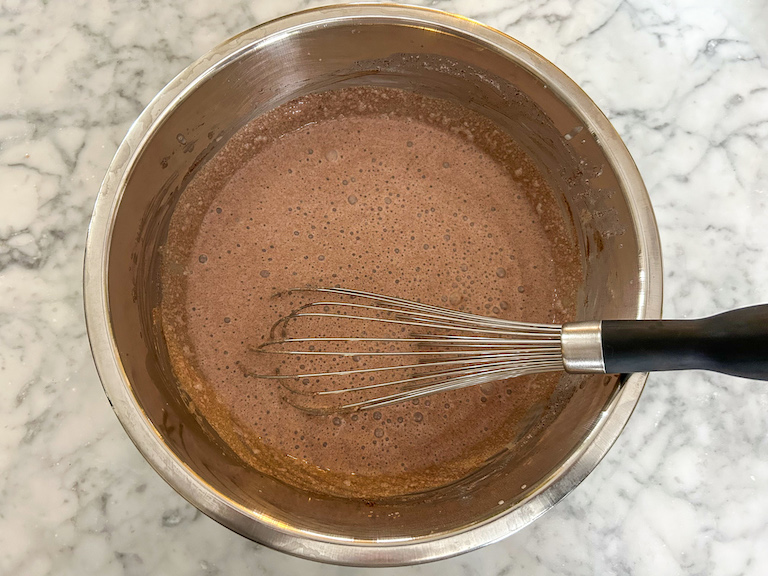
453,350
413,321
443,386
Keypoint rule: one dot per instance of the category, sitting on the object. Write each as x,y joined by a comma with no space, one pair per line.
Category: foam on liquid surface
377,190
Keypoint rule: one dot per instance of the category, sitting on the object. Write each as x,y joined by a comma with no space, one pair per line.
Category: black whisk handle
734,342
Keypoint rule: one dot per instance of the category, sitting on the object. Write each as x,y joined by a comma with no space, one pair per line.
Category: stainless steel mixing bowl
417,49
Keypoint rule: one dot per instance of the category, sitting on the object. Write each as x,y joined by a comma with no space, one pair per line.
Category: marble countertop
685,488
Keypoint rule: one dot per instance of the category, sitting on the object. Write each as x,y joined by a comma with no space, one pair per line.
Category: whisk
393,350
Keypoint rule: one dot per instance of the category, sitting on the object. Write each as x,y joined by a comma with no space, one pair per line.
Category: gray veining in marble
685,489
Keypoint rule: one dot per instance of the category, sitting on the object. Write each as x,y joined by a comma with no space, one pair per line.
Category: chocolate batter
372,189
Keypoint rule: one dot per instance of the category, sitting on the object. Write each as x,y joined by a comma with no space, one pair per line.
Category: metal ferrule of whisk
582,347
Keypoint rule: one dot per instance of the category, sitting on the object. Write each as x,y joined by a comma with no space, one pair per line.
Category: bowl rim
259,526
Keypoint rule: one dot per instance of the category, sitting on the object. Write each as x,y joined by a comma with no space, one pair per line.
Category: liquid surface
371,189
